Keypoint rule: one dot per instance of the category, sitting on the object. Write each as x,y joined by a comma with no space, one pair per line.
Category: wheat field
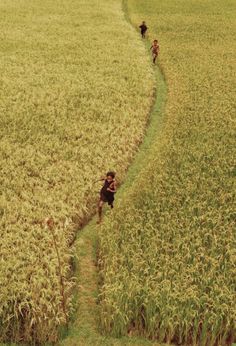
167,258
75,93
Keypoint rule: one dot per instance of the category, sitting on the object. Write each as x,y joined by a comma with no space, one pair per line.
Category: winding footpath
83,330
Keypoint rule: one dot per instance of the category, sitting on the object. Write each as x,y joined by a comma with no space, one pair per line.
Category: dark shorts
107,199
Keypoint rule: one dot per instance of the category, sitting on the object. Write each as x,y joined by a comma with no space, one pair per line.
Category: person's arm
151,47
112,188
101,179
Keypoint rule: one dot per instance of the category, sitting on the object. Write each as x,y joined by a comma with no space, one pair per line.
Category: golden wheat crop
168,256
75,92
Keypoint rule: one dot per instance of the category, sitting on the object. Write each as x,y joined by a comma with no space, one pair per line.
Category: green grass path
84,328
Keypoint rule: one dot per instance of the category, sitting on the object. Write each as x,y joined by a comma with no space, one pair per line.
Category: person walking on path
143,29
107,193
155,50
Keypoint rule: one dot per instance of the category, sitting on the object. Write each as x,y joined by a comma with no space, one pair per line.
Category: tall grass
168,255
75,92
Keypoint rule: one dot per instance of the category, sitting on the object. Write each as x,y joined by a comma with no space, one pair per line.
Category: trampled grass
75,93
168,256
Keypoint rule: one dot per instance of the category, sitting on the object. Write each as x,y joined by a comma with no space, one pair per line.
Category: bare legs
100,205
154,58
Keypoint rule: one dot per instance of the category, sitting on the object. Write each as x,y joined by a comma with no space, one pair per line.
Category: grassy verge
84,330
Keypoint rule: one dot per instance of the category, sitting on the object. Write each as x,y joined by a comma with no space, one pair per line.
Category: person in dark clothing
143,28
155,50
107,193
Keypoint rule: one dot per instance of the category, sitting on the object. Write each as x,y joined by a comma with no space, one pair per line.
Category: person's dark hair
111,174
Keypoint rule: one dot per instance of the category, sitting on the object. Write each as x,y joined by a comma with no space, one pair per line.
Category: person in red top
155,50
107,193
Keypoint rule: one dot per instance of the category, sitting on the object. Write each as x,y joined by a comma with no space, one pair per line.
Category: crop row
71,108
168,256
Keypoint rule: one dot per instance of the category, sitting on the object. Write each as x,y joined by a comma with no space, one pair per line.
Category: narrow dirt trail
84,329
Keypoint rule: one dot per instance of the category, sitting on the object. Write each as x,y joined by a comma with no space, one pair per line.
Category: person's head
110,176
155,41
144,22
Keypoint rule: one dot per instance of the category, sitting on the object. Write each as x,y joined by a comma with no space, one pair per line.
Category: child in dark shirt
107,193
143,28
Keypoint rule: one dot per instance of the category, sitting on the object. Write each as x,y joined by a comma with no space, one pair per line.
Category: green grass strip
84,329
